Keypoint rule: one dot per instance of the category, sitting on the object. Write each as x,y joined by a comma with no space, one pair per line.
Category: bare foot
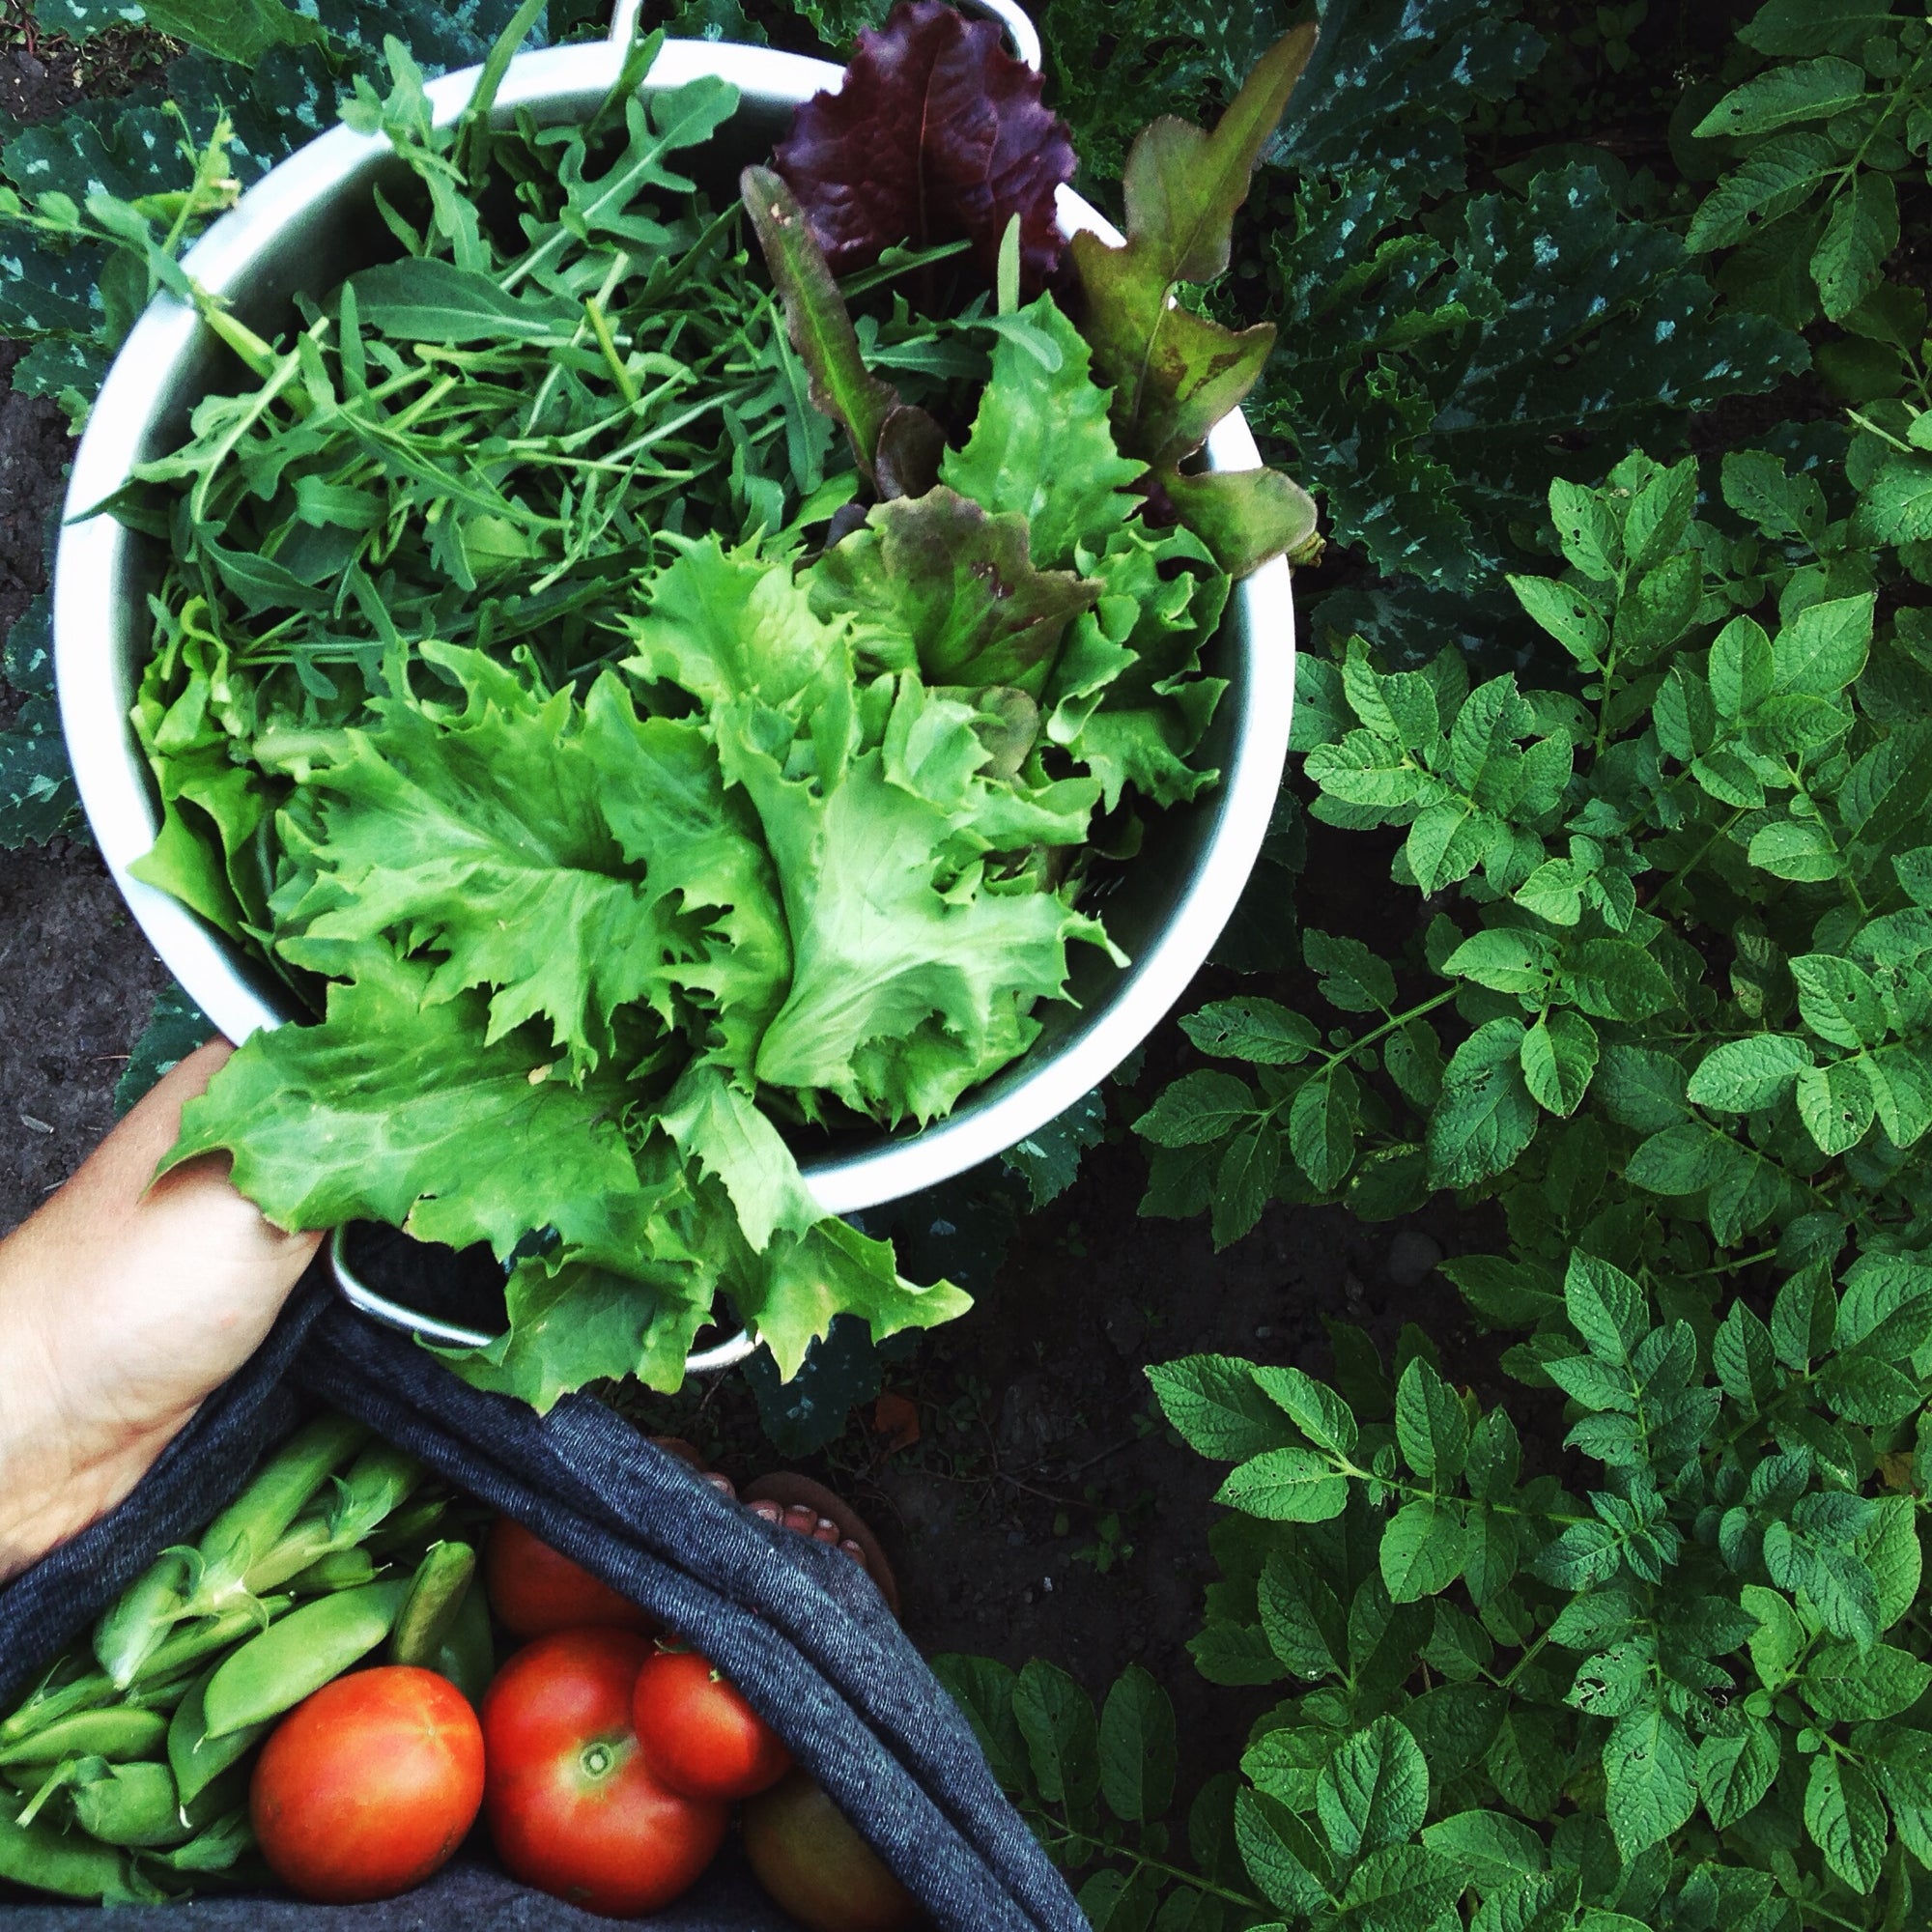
807,1522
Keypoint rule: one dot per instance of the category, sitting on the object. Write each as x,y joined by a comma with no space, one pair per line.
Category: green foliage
1835,119
1429,370
1695,1682
176,1027
36,795
1672,1002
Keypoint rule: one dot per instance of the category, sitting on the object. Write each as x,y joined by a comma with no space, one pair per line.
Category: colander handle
452,1335
1021,33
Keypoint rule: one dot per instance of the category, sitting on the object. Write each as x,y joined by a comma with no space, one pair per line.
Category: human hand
123,1306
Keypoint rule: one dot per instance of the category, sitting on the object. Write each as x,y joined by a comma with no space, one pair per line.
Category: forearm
122,1305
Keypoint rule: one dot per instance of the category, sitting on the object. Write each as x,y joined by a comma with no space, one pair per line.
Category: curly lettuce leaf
573,1323
937,134
936,584
894,921
790,1293
395,1109
721,1130
1042,445
191,715
1127,697
732,624
568,856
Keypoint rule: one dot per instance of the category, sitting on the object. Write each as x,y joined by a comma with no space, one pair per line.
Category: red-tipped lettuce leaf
816,317
937,133
939,573
1175,374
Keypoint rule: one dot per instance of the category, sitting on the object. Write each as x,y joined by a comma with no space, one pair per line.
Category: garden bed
1565,268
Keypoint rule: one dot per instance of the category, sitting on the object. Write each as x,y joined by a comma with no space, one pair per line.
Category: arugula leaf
936,134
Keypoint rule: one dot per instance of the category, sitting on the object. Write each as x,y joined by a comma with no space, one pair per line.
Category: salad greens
625,773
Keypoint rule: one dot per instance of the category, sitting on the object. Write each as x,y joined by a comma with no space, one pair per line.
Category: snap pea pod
195,1758
66,1687
208,1579
132,1804
319,1640
468,1654
374,1486
68,1771
429,1611
334,1570
203,1639
214,1849
137,1624
49,1859
158,1693
119,1734
409,1528
165,1668
238,1545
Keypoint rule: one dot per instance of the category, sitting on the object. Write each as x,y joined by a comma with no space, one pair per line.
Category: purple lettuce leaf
937,134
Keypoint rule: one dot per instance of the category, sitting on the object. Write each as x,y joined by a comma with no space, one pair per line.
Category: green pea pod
47,1859
120,1734
410,1528
166,1671
69,1686
223,1795
155,1693
372,1488
210,1579
214,1849
133,1804
249,1528
428,1612
196,1759
468,1654
140,1619
68,1771
319,1640
334,1570
203,1638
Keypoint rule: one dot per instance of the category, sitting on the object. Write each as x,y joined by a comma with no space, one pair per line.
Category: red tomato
817,1868
534,1591
573,1804
368,1787
701,1736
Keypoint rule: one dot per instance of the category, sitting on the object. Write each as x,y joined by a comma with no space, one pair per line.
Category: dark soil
76,980
1045,1510
76,977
